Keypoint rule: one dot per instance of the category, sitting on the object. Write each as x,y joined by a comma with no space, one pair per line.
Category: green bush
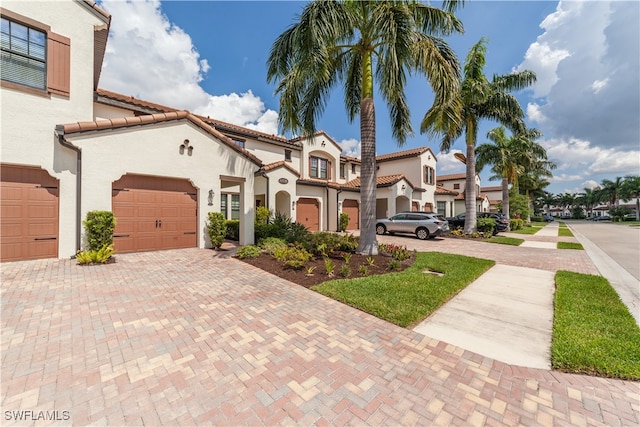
397,252
271,244
486,225
536,219
281,227
516,224
99,227
344,221
262,215
617,214
292,256
249,251
233,229
100,256
216,229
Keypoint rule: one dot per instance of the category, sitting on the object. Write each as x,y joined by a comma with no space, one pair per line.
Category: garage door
308,213
154,213
350,207
28,213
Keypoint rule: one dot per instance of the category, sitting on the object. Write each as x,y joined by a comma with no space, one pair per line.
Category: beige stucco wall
27,121
154,150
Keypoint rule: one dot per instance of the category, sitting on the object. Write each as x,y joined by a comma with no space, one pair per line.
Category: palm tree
477,98
510,157
362,43
547,199
589,198
630,190
610,191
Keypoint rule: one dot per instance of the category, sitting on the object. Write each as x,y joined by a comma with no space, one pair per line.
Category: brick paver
182,337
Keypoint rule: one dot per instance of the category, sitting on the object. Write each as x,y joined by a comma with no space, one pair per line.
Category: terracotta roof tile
280,164
451,177
445,191
349,158
381,181
121,122
496,188
404,154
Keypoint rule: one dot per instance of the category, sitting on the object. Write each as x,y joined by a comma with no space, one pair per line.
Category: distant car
565,216
548,218
602,218
424,225
502,223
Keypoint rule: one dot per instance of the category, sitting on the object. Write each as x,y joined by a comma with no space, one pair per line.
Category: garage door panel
350,207
11,229
42,230
308,213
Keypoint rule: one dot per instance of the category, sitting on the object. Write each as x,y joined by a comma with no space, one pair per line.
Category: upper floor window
287,155
429,175
353,168
23,55
319,168
239,142
34,59
343,172
456,186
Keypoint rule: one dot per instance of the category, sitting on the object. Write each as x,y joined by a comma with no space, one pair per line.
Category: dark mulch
301,277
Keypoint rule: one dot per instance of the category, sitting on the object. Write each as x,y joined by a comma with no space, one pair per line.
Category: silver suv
424,225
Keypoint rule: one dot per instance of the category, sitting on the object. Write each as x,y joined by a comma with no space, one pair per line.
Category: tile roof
496,188
451,177
123,122
404,154
349,159
280,164
130,101
93,5
381,181
440,190
225,126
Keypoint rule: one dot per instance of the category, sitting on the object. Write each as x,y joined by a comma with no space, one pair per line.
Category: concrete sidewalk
507,314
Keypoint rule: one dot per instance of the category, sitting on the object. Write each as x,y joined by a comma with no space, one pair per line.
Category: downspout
60,134
264,175
327,188
338,209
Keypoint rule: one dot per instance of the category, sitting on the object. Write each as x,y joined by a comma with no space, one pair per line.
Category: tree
610,191
510,157
589,198
547,199
477,98
361,43
630,190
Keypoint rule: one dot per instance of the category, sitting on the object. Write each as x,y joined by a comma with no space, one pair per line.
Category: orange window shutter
58,64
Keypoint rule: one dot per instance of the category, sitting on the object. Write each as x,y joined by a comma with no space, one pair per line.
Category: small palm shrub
100,256
329,266
247,252
216,229
345,271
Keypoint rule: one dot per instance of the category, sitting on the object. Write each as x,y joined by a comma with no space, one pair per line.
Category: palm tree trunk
470,223
505,196
368,244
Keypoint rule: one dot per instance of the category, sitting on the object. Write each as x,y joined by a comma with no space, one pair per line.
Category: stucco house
69,147
457,183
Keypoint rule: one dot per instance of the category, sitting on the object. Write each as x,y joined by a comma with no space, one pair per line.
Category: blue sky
209,57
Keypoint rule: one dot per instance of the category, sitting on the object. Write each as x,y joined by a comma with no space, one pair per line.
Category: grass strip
593,331
501,240
405,298
564,232
527,230
570,245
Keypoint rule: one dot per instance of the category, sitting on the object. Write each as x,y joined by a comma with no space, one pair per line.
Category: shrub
397,252
216,229
345,271
271,244
516,224
363,270
262,215
249,251
536,219
281,227
232,229
344,221
394,265
99,227
100,256
329,266
486,225
292,256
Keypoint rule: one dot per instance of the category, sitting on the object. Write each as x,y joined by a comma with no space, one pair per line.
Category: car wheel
422,233
380,229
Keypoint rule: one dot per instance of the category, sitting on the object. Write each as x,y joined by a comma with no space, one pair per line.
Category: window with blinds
23,55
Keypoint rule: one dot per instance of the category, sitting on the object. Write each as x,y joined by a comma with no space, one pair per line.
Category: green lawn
564,232
505,240
593,331
570,245
527,230
405,298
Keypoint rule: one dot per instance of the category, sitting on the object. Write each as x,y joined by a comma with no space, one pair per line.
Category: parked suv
423,224
502,223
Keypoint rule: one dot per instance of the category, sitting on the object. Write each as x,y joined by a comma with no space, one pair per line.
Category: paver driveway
183,337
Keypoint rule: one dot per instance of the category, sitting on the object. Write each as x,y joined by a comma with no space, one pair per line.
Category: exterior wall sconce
293,206
210,197
403,186
185,146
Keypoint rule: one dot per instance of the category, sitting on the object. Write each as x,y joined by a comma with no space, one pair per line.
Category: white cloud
587,63
590,184
150,58
448,164
351,147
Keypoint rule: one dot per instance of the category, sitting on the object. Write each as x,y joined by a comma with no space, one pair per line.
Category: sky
209,57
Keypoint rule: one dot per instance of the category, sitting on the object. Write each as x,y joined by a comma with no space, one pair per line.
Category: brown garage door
154,213
308,213
350,207
28,213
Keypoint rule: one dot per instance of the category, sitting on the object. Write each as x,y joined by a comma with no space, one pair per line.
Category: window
319,168
456,186
353,168
442,208
235,206
239,142
287,155
223,206
429,175
33,58
343,172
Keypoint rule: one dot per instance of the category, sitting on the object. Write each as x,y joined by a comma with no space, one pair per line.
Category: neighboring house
456,182
494,194
69,147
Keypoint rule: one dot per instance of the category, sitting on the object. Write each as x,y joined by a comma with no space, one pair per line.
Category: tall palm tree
630,190
477,99
547,199
589,198
361,43
610,191
510,157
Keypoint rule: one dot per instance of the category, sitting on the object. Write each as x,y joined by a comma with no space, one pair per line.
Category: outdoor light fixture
293,206
210,198
403,186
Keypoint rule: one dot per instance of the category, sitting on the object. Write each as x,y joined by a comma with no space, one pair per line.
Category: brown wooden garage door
350,207
308,213
154,213
29,200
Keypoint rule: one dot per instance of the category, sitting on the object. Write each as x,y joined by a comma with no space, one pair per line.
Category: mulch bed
380,266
